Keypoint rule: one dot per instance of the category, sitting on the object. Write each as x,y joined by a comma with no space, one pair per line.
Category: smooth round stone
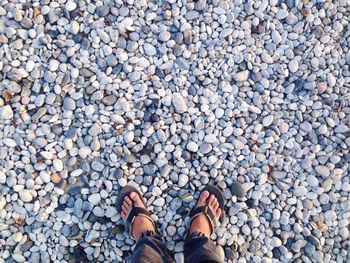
18,258
17,237
281,14
293,66
6,112
312,180
276,242
171,231
179,103
331,80
70,6
2,177
279,174
267,121
149,49
56,178
58,165
323,171
183,180
192,146
25,195
94,199
237,189
300,191
69,104
210,138
323,129
159,202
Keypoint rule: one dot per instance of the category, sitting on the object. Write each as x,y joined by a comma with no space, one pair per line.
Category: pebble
241,76
293,66
58,165
179,103
94,199
192,146
300,191
267,121
150,50
281,14
323,171
2,177
237,189
25,196
70,6
6,112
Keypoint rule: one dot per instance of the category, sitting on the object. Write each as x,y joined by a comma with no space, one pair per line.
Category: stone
241,76
267,121
312,180
278,174
237,190
69,104
192,146
70,6
179,103
276,242
2,177
94,199
293,66
58,165
6,112
149,49
323,171
281,14
300,191
183,180
25,196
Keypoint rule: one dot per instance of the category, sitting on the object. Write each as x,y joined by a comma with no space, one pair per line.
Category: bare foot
201,222
140,223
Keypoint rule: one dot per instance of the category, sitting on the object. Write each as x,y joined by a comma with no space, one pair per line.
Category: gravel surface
171,95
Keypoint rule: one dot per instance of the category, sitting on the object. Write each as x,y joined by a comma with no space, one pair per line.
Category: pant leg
151,248
199,248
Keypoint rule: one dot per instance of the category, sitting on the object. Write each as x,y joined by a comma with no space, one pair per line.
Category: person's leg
150,247
198,246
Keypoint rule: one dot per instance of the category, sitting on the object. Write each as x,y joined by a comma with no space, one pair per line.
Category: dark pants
151,248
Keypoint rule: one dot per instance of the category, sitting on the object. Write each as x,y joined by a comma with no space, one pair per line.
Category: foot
201,222
140,223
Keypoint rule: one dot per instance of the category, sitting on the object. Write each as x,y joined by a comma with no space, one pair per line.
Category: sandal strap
208,212
134,212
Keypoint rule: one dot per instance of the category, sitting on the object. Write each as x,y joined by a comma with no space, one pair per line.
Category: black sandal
135,210
206,210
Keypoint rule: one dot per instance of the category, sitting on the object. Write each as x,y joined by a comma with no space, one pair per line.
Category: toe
216,206
211,199
123,216
133,196
203,197
214,202
136,198
128,200
218,213
126,205
124,209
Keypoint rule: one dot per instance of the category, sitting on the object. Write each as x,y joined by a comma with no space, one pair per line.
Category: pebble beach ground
253,96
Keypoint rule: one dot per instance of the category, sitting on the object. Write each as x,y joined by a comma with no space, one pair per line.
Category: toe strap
208,212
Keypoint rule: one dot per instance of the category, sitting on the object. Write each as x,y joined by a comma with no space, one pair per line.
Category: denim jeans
151,248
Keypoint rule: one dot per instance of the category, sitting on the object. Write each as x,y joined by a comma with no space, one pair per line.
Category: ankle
200,224
140,225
